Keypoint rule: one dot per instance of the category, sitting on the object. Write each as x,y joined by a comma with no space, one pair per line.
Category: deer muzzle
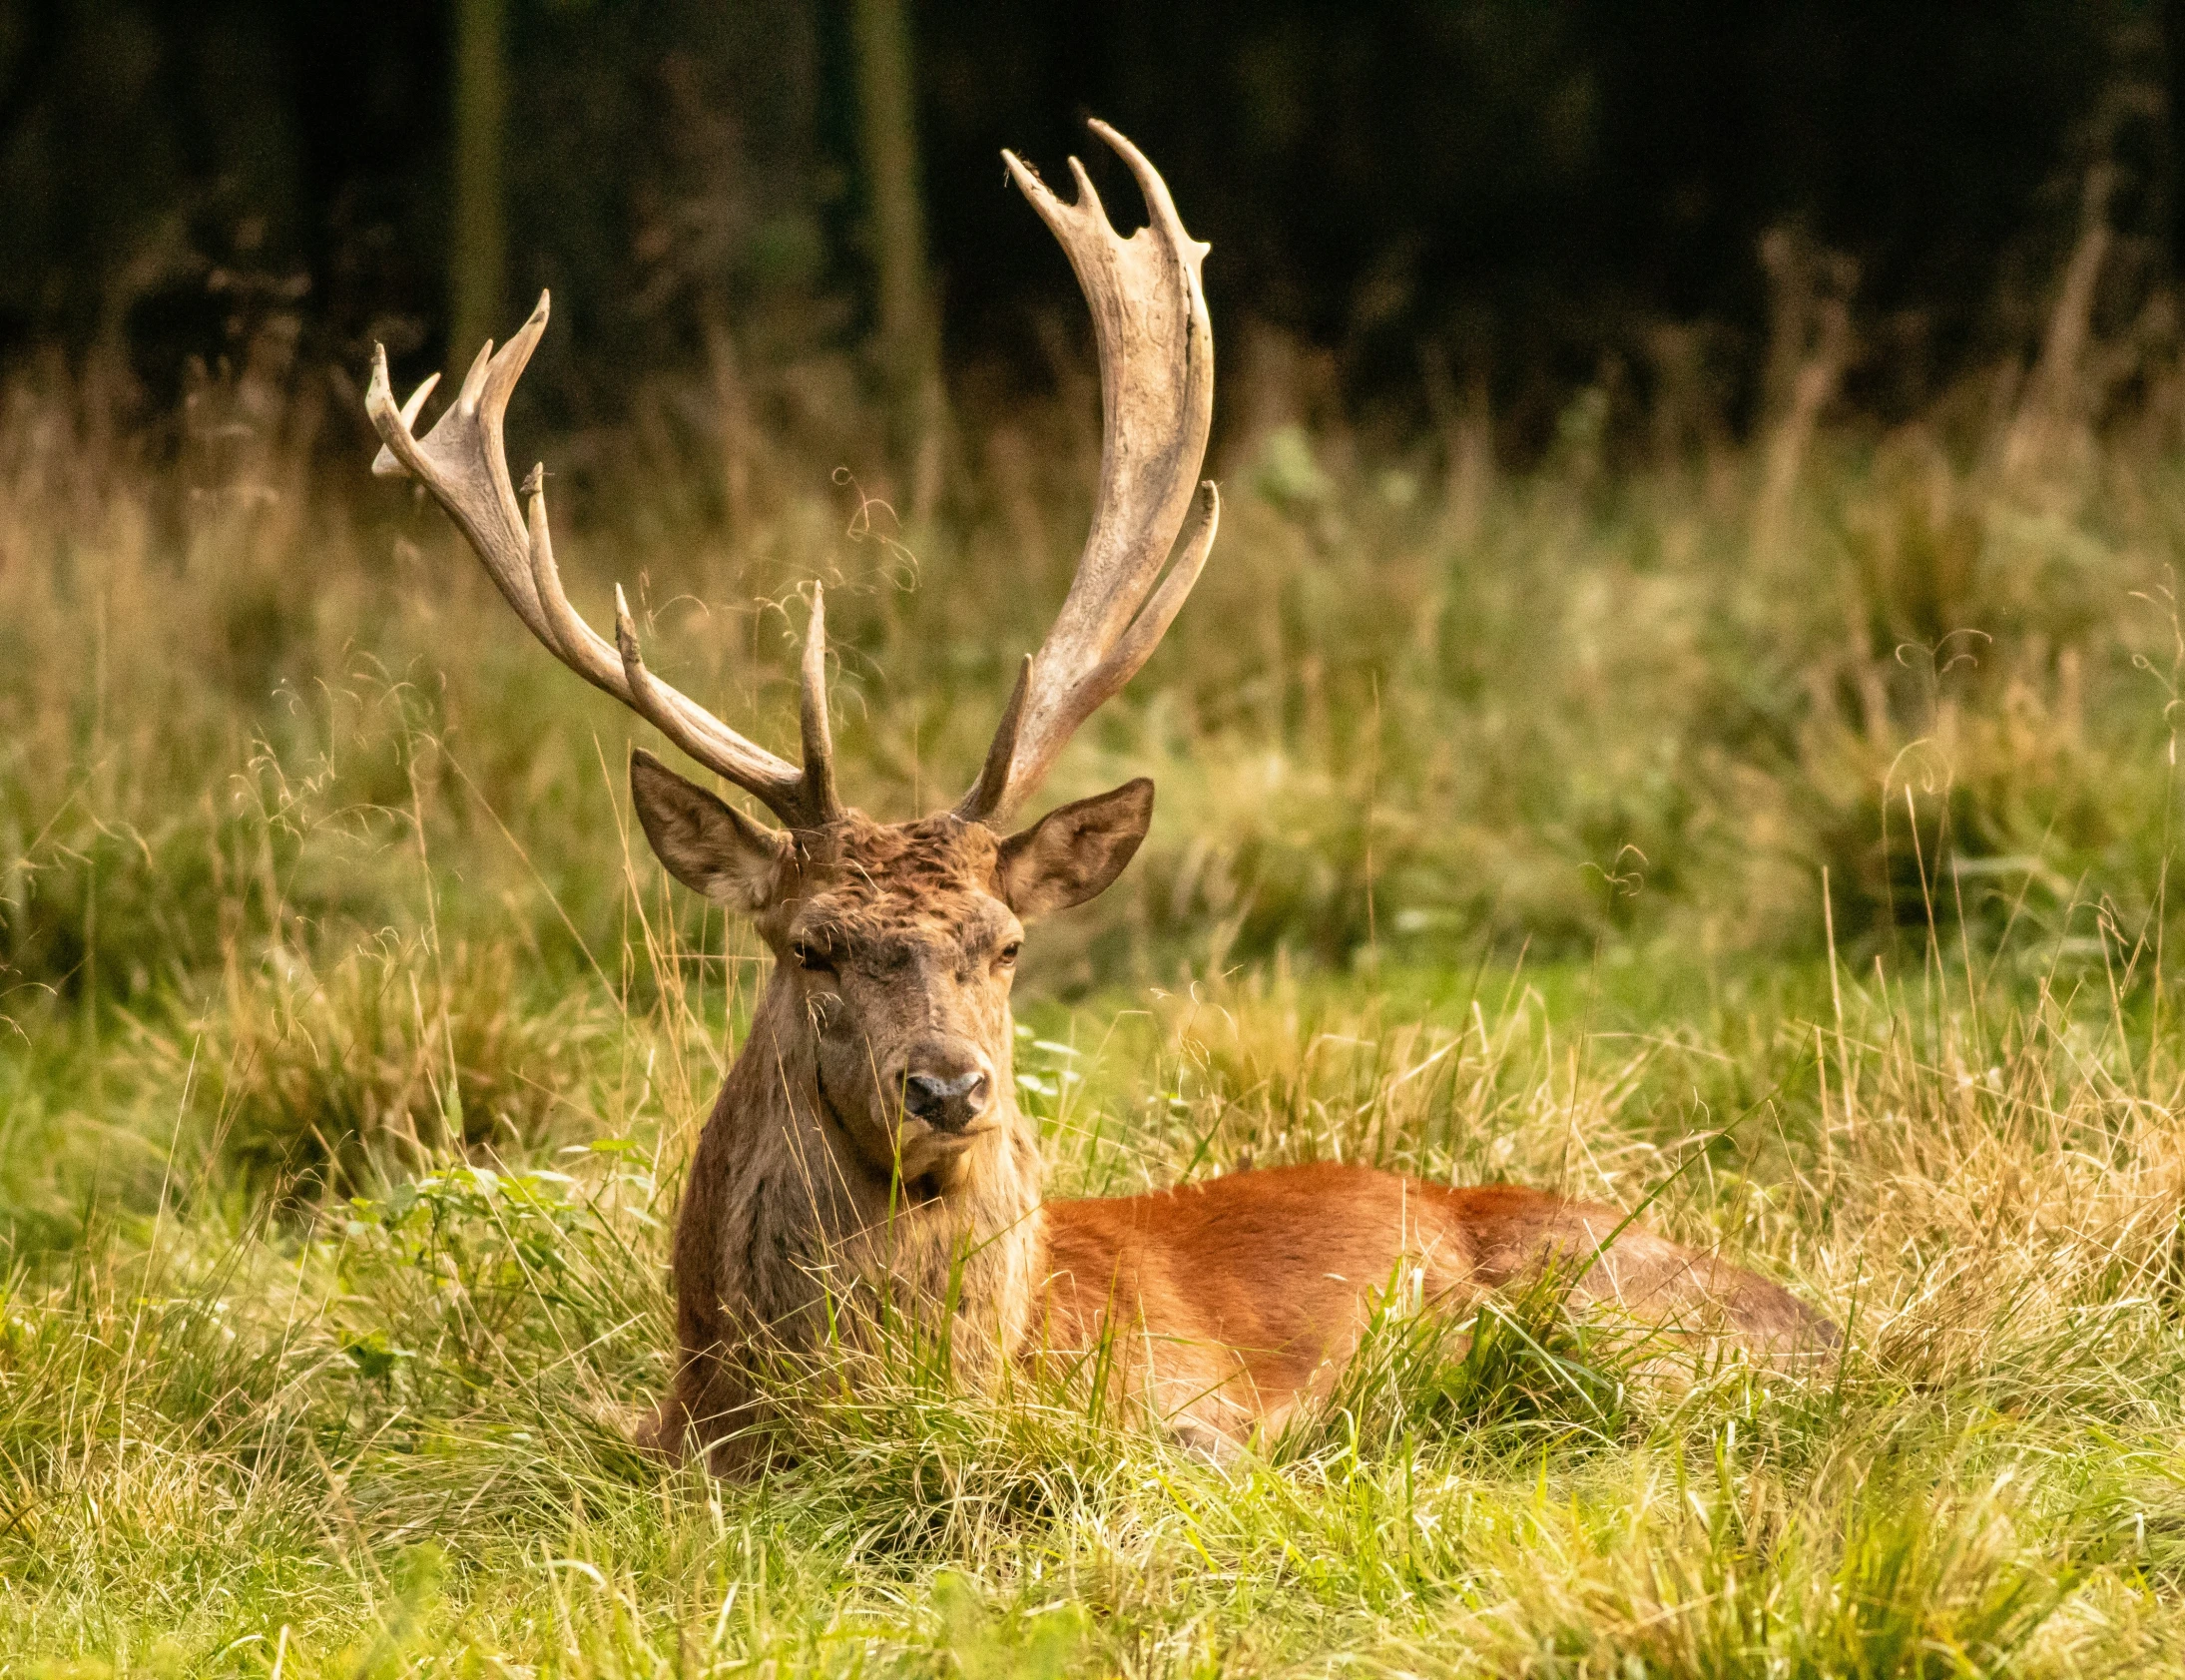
948,1100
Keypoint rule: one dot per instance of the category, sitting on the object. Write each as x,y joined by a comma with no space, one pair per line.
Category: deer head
896,942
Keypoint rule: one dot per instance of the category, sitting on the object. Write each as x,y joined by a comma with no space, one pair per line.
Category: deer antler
1157,399
463,462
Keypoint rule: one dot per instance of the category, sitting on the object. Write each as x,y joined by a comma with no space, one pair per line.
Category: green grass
390,1428
351,1050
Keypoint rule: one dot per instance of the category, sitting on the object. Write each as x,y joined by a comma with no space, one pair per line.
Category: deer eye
1007,955
815,960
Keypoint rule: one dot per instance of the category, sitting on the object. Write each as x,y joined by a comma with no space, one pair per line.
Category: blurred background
1529,196
1703,485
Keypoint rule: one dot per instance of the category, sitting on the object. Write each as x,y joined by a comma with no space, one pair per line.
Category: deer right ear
706,845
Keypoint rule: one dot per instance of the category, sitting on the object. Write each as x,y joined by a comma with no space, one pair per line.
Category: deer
866,1141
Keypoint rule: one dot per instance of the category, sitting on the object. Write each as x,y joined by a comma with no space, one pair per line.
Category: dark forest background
1515,197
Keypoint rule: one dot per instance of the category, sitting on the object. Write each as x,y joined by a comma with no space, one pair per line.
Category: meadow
1772,834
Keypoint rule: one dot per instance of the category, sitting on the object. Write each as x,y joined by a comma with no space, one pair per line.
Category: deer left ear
1075,852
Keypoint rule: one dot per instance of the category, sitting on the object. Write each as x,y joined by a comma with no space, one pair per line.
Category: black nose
949,1104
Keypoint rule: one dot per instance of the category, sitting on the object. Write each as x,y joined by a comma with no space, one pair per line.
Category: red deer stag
868,1132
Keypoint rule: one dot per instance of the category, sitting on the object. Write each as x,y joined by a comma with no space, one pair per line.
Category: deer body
1240,1298
866,1151
1223,1305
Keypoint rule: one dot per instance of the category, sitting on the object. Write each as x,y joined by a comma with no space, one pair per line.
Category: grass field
1777,836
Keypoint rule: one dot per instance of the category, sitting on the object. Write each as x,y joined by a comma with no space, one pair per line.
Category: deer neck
818,1216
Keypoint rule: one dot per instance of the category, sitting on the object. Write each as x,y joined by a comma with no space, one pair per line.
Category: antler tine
1156,347
463,461
818,739
987,793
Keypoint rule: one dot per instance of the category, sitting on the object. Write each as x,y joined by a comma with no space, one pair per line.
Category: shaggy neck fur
788,1212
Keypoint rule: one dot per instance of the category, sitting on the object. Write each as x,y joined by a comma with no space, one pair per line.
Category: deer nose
947,1104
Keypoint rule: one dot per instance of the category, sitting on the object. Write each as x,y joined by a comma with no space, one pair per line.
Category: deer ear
708,845
1075,852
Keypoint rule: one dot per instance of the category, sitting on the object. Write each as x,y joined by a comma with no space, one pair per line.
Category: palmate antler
1157,400
1157,393
464,463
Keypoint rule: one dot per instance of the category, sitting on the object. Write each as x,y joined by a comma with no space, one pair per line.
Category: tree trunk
478,246
910,337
